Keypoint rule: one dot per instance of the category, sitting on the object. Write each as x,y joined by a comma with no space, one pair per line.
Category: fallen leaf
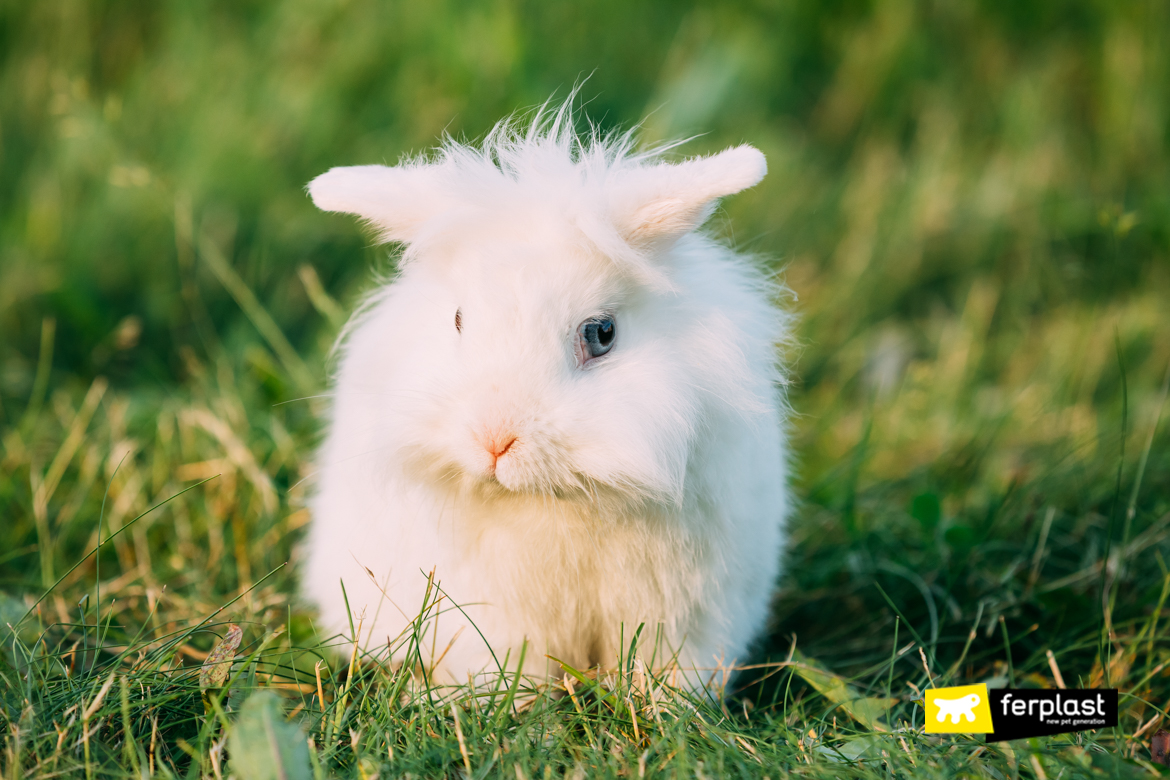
218,665
865,710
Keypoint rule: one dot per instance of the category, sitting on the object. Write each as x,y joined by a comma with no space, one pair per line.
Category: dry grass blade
292,361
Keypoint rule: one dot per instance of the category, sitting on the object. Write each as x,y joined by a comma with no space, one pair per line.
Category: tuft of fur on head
629,203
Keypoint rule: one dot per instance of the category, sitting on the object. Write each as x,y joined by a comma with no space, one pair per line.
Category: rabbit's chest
576,583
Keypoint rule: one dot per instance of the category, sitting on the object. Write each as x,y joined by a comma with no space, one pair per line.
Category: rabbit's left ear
394,201
659,204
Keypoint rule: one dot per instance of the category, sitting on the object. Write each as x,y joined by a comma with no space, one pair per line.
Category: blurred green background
969,201
918,150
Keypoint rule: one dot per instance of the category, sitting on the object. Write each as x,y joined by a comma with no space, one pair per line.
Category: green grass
968,200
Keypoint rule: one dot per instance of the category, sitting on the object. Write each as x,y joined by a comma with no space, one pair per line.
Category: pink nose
497,445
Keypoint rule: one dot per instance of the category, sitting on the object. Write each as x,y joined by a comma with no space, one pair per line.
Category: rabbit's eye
459,320
596,334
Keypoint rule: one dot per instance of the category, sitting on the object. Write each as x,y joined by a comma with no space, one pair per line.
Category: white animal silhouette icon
956,708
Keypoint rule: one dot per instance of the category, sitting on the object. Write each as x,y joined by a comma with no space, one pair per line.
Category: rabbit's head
554,327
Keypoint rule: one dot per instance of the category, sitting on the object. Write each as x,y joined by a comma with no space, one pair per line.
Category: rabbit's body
561,497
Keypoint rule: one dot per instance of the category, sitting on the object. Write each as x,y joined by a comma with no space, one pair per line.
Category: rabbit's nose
497,444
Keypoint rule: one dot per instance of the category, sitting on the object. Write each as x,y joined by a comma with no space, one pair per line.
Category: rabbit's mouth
571,487
511,467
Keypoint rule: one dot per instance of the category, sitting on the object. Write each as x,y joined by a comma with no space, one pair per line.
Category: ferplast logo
1018,713
964,709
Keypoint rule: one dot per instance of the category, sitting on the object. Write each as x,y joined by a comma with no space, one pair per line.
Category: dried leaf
218,664
1160,748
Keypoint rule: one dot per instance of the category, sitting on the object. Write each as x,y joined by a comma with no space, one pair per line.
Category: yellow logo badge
960,710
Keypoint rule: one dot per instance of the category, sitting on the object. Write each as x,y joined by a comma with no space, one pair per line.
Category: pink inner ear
663,219
674,199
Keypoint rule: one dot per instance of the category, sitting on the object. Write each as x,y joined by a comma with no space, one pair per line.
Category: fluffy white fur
645,487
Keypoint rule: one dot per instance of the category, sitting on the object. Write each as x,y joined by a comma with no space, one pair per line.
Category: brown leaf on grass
1160,747
218,664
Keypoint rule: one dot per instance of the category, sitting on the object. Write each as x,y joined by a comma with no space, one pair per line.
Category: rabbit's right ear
394,201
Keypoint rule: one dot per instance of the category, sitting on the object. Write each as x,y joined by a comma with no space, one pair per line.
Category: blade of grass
243,295
110,538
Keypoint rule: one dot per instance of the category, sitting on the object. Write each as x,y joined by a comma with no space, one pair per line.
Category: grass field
969,202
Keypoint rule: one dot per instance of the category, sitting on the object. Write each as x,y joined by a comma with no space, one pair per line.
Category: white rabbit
566,404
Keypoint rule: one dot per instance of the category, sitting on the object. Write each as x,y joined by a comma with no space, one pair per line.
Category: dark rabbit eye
597,334
459,320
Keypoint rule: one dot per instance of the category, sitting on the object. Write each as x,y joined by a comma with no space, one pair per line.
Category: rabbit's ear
662,203
395,201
